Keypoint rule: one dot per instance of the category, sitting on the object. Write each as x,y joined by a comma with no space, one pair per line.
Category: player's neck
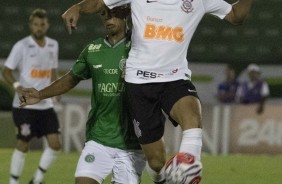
40,41
115,38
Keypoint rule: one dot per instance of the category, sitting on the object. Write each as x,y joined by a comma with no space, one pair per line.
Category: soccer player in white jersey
36,59
157,72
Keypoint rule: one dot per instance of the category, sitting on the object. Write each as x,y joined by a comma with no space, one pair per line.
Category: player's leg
148,120
187,111
48,126
18,160
156,156
95,163
128,167
85,180
181,102
23,136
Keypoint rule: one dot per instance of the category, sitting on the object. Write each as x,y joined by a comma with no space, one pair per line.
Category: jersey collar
117,44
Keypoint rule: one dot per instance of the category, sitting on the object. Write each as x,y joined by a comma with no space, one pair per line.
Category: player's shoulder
24,42
52,41
98,41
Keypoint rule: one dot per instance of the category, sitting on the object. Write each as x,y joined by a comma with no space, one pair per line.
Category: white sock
17,163
156,176
192,142
47,158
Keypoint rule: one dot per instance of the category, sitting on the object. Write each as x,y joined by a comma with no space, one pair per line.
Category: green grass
233,169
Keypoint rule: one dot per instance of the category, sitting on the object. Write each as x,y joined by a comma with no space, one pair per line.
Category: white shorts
98,161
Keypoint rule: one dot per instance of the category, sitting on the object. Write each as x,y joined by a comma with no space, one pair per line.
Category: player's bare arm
60,86
71,16
239,12
54,75
9,77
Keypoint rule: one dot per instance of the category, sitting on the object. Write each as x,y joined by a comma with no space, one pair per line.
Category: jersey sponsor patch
115,88
40,74
152,75
164,32
111,71
94,47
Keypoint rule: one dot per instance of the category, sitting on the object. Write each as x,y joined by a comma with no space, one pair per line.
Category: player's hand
29,96
70,18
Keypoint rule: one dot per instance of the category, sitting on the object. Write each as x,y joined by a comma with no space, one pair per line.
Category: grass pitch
232,169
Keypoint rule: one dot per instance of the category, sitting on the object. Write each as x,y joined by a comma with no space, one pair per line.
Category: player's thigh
187,112
128,167
181,102
85,180
95,162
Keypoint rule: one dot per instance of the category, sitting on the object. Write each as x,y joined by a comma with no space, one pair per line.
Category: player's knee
156,163
22,146
55,146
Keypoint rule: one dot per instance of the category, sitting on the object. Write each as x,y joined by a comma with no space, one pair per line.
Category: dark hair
40,13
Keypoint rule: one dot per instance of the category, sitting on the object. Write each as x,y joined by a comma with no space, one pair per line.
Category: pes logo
146,74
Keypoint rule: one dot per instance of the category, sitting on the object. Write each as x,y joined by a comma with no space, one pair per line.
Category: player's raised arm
60,86
239,12
71,16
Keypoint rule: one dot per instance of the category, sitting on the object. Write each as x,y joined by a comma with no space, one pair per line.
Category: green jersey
108,122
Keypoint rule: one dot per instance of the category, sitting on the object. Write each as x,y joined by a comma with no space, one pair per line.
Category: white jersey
34,64
162,31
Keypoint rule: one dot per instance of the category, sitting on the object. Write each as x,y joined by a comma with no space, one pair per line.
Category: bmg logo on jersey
162,32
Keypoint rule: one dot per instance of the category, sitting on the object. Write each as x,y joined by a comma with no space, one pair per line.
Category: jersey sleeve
114,3
80,69
15,56
217,8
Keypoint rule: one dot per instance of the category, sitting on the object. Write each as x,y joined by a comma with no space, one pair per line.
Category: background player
157,72
226,90
36,58
111,146
254,90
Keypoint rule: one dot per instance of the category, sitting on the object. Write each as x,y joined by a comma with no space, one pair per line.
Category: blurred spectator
226,91
253,90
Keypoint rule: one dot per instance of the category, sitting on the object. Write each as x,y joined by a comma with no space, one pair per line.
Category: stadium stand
257,41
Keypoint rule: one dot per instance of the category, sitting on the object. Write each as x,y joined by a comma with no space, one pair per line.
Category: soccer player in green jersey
111,145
